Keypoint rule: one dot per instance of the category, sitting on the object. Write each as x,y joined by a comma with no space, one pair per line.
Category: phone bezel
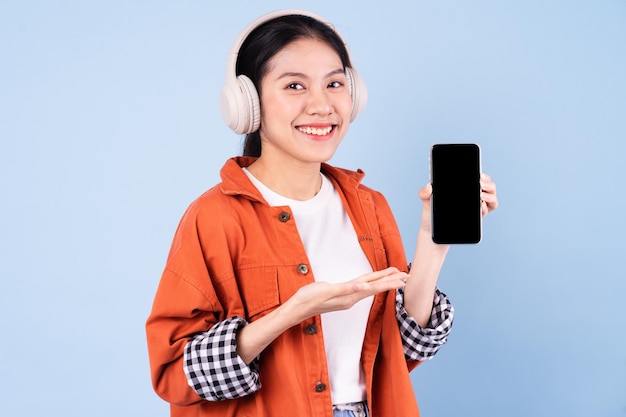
434,232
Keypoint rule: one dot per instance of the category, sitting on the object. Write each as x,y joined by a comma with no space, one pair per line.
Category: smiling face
305,104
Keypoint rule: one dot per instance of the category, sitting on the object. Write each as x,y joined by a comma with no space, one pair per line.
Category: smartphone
455,202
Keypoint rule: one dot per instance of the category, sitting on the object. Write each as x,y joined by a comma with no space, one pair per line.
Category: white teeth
314,131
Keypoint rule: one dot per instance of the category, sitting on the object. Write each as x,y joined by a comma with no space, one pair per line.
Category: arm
222,363
429,256
425,321
213,368
172,323
311,300
422,282
422,343
197,340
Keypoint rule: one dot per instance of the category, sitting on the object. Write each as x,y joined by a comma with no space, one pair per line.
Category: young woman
287,290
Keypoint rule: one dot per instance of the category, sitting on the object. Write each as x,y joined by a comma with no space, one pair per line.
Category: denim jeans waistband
351,409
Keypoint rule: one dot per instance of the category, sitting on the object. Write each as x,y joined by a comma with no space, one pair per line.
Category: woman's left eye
335,84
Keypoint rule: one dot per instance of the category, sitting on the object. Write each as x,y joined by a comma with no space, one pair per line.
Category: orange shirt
234,255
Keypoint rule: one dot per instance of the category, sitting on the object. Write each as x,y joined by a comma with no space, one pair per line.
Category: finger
425,192
376,275
488,186
488,198
381,280
391,282
489,202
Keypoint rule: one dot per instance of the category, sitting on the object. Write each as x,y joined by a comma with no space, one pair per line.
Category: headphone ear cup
358,92
251,100
240,106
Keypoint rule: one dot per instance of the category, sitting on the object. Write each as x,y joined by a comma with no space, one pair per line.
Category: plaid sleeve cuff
213,368
422,343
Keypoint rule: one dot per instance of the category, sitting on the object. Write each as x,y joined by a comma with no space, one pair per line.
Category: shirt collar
235,181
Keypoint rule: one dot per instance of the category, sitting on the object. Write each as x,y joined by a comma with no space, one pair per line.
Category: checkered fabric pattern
422,343
213,368
215,371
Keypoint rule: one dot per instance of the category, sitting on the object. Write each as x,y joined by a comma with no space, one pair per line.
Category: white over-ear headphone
240,104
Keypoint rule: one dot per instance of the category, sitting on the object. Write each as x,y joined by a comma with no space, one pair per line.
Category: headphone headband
240,104
233,54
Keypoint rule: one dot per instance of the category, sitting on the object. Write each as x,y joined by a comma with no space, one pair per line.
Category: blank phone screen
455,177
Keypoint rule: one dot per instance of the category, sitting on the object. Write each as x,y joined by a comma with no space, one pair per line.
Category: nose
320,102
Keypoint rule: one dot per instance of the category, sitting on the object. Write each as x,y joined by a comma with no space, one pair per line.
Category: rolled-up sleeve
422,343
213,368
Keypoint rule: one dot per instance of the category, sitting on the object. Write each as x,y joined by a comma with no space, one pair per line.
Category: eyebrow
301,75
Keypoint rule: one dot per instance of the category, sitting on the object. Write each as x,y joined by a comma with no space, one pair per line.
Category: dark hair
267,40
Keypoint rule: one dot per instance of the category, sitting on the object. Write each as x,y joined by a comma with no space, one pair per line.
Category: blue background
110,127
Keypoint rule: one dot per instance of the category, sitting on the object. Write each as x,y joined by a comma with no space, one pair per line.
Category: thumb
425,192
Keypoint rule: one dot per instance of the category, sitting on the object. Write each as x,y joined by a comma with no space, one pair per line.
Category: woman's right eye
295,86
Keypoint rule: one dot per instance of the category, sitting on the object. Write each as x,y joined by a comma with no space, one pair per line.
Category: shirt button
311,329
303,269
284,216
320,386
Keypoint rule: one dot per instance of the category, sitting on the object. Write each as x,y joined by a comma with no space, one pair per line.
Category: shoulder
226,198
214,212
348,180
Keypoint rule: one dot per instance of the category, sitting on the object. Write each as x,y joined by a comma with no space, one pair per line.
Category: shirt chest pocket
258,287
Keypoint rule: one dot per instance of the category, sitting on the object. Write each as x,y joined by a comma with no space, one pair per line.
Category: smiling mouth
316,131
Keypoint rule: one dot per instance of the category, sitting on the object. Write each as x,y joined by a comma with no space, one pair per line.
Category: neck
297,182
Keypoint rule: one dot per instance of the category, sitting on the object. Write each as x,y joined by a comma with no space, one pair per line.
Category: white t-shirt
336,256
